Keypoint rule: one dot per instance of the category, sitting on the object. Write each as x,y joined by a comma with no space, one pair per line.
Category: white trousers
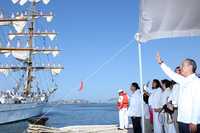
123,118
157,126
169,127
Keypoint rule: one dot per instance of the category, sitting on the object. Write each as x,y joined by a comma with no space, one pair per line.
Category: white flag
168,18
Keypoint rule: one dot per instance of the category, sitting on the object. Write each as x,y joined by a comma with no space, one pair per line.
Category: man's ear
191,67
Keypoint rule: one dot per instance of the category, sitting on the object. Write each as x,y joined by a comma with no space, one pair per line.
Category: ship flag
81,86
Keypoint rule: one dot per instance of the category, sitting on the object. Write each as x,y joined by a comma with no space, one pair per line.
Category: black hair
134,84
166,82
177,68
157,83
173,83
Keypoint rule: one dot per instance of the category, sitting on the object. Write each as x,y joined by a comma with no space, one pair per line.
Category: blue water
67,115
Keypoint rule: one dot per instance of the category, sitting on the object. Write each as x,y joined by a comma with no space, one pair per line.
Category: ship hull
16,112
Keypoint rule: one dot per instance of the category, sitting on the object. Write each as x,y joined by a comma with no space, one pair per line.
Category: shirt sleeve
120,99
171,74
195,118
175,95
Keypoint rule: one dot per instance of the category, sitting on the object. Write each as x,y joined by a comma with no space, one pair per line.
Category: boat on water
25,46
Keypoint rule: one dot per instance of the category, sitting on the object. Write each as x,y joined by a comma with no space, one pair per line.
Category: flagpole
141,79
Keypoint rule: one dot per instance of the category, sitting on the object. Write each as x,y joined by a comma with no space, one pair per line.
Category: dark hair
193,63
177,68
157,83
134,84
166,82
173,83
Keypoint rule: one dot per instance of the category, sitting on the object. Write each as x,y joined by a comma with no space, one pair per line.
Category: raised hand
193,128
158,58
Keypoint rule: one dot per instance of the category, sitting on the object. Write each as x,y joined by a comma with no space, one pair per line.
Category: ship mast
27,88
30,50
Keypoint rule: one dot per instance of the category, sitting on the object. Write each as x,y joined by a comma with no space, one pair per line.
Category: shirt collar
137,91
191,76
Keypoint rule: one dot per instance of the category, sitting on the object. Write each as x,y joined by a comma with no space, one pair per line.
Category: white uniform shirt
174,95
165,96
154,98
189,95
135,104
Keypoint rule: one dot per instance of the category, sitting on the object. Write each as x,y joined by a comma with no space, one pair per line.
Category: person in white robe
169,126
155,105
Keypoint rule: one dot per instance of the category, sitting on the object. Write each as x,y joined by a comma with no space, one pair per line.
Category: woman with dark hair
134,110
155,105
166,84
169,125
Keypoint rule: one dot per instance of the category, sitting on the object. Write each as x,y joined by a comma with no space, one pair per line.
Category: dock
78,129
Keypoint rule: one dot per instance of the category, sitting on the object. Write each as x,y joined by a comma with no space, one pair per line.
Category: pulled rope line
122,49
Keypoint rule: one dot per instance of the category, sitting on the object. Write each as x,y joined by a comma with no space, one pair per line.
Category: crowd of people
170,105
12,97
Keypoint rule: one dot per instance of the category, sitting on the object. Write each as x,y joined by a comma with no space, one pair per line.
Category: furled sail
34,1
55,53
52,36
56,71
19,25
5,71
3,23
50,17
46,1
21,55
15,1
22,2
11,36
6,52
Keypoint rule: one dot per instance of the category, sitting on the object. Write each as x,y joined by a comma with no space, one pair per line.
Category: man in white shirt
189,94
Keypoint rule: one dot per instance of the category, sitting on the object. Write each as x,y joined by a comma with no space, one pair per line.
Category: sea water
68,115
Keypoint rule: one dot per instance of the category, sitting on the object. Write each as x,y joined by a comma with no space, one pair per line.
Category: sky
98,47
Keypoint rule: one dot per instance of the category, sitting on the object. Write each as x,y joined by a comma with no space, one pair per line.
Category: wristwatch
161,62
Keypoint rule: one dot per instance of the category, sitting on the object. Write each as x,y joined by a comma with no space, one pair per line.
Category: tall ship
27,49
